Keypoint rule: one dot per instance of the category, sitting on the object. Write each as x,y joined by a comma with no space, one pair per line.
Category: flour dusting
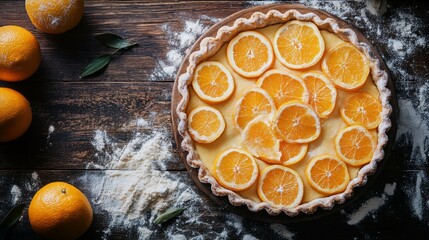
371,206
282,231
15,194
178,43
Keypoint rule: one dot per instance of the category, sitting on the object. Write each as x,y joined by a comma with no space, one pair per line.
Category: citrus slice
327,174
261,141
298,44
206,124
292,152
213,82
283,87
280,187
297,123
253,103
250,54
346,67
322,93
235,169
355,145
362,109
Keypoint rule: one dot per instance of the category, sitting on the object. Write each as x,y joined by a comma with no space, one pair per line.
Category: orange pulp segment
292,152
205,124
261,141
283,87
346,67
213,82
250,54
280,187
254,102
297,123
298,44
327,174
322,93
235,169
355,145
362,109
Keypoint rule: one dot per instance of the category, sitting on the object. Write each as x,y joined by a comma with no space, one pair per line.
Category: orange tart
283,112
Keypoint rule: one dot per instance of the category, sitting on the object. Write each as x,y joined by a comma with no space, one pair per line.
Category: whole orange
19,53
60,211
54,16
15,114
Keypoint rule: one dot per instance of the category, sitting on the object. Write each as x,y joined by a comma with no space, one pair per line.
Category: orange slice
283,87
235,169
292,152
327,174
213,82
362,109
280,187
346,67
322,93
250,54
254,102
355,145
261,141
205,124
297,123
298,44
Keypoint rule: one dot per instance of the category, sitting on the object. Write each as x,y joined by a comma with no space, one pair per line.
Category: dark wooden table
126,91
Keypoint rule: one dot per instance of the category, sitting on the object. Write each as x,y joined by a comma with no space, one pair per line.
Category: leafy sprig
100,62
12,217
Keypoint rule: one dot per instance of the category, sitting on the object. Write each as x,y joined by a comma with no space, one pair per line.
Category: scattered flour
15,194
135,197
178,43
51,129
249,237
371,206
282,231
414,191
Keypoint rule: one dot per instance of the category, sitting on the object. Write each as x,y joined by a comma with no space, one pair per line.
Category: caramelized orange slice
213,82
280,187
250,54
355,145
283,87
261,141
362,109
292,152
235,169
298,44
322,93
327,174
205,124
297,123
346,67
253,103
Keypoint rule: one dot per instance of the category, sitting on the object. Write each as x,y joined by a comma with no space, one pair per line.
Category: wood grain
126,91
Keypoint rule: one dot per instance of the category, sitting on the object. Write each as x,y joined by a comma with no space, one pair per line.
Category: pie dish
202,155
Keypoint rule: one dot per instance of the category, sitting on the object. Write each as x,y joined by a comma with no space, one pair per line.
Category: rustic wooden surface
124,92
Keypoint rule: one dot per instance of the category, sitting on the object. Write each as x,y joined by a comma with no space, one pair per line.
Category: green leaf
169,214
12,217
96,65
114,41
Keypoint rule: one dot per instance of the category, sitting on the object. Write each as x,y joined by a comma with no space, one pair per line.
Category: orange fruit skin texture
60,211
15,114
54,16
20,54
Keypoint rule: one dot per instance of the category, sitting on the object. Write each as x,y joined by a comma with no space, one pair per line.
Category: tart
283,111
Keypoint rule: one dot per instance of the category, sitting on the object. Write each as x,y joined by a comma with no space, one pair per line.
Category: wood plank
65,55
76,110
390,221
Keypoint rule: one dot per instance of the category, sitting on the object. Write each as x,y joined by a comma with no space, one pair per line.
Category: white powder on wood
371,206
282,231
249,237
178,43
15,194
416,196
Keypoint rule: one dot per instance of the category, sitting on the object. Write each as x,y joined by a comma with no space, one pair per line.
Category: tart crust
210,45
